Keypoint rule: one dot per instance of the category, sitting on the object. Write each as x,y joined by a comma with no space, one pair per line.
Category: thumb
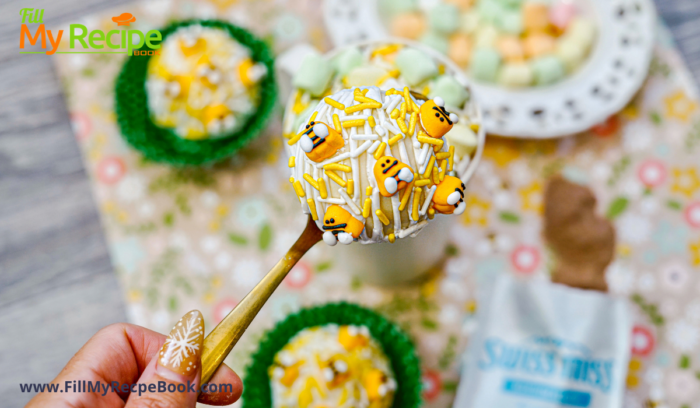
172,378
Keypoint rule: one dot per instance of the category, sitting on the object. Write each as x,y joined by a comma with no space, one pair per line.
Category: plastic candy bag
544,345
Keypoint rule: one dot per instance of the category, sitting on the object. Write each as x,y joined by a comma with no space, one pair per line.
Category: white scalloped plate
613,74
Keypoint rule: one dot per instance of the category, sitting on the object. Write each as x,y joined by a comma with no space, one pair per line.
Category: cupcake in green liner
208,90
332,356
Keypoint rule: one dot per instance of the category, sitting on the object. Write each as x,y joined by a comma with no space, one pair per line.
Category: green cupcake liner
397,347
162,144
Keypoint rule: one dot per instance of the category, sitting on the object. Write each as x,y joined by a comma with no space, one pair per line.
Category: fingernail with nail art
183,347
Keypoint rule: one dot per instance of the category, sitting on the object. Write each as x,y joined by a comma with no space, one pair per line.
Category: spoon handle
226,334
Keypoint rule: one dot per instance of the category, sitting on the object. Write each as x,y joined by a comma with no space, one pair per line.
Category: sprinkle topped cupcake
332,366
204,84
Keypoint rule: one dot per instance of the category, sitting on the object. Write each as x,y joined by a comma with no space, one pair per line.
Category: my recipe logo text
84,41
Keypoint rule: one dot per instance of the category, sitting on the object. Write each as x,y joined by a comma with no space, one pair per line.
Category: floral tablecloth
184,239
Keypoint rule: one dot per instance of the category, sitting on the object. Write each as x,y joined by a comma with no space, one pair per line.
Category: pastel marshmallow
485,64
562,13
583,31
516,75
511,48
510,22
367,75
460,49
314,75
570,52
548,70
444,18
415,66
537,45
450,90
469,22
408,25
463,139
489,10
486,37
535,16
347,61
392,8
436,40
462,4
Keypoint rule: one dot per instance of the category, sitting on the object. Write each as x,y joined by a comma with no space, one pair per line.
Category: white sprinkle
364,137
428,198
374,147
412,229
364,146
344,194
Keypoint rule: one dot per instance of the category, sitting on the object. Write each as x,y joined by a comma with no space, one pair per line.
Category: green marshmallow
367,75
469,22
436,41
516,75
415,66
391,8
450,90
314,75
548,70
485,64
490,10
347,60
512,4
511,22
444,18
463,139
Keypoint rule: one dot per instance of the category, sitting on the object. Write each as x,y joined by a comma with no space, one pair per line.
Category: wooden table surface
56,282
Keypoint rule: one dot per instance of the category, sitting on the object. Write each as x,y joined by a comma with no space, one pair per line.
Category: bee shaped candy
435,119
449,196
392,175
335,371
340,225
320,141
377,384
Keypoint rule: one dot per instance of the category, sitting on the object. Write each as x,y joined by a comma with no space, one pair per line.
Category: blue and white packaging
544,345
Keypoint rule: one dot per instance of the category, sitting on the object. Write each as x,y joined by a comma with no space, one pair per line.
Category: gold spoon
226,334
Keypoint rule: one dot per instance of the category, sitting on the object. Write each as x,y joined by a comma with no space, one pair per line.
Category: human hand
129,354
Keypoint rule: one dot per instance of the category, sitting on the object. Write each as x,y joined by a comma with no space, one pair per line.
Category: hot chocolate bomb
372,165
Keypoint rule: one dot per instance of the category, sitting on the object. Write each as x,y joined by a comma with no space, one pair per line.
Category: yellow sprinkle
353,123
311,181
295,138
380,151
429,140
442,155
364,91
395,139
334,103
392,238
333,176
395,114
299,189
371,121
407,97
351,187
443,166
291,180
474,127
366,210
336,122
387,49
412,123
452,157
429,168
312,207
362,106
383,79
422,182
407,193
391,91
431,213
395,73
402,115
402,124
313,117
322,187
362,98
416,202
382,217
368,191
292,161
436,175
337,167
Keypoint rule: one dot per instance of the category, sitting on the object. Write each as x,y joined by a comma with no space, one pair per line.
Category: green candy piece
391,8
510,22
314,75
463,139
450,90
513,4
490,10
436,41
347,60
415,66
548,70
485,64
444,18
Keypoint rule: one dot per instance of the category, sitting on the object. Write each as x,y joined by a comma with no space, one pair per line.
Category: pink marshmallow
561,14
